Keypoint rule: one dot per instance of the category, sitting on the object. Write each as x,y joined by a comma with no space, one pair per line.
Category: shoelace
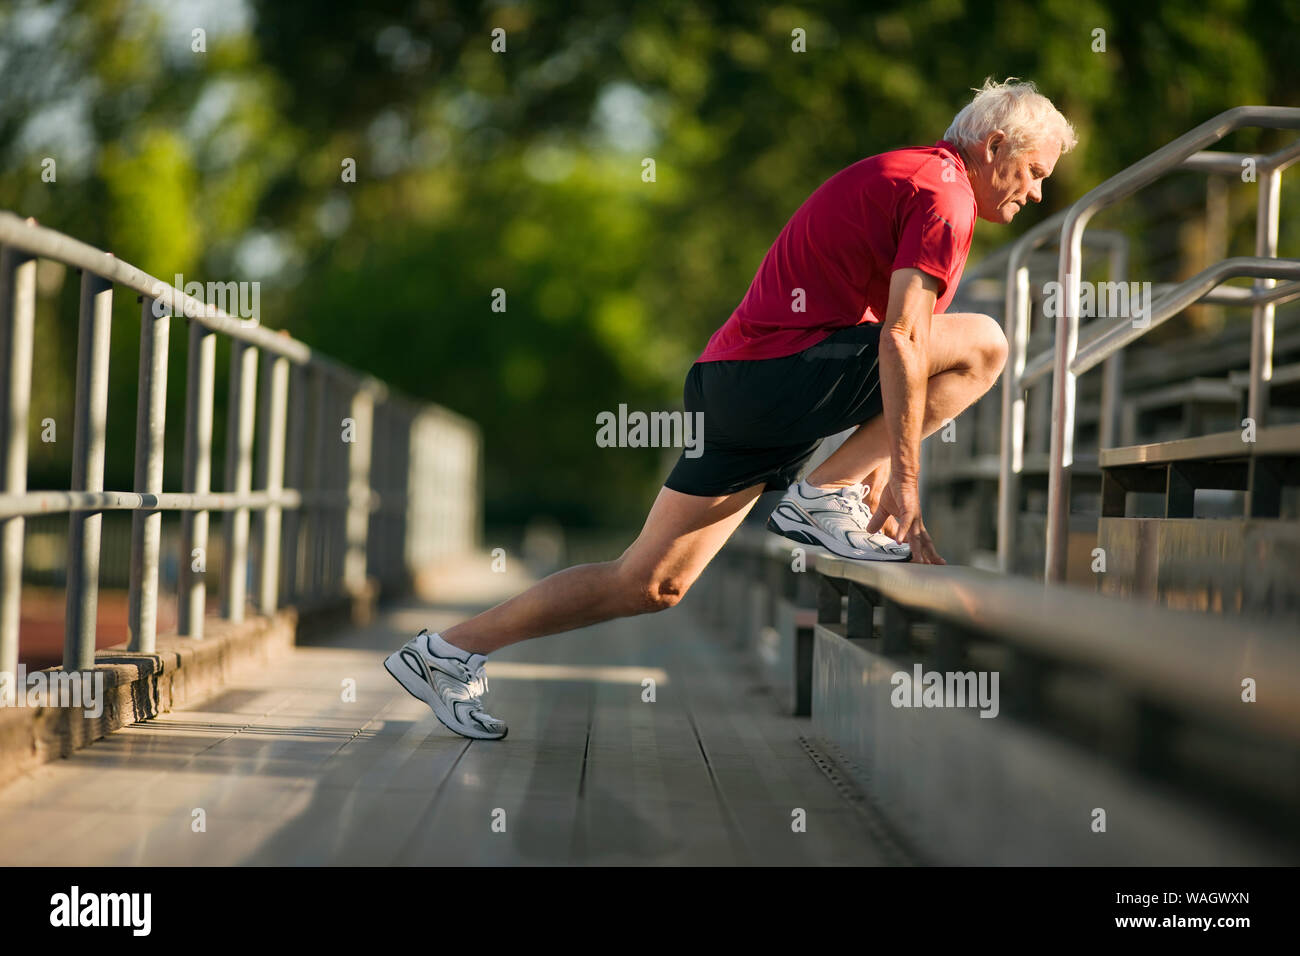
866,509
855,499
856,495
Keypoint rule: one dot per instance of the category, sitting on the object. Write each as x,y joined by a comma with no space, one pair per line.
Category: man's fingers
927,550
905,525
877,519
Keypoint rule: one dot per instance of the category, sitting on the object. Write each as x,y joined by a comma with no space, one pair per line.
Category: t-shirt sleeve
934,232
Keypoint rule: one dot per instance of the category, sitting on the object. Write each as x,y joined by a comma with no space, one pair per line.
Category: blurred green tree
522,170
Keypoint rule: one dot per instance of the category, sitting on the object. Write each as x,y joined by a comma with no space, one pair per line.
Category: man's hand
901,501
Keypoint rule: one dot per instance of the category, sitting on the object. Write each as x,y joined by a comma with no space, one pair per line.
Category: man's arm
904,382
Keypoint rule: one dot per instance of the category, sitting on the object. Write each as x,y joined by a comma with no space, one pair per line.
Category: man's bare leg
681,535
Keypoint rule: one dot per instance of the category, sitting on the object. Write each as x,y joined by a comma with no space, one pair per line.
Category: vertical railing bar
1061,451
338,548
357,516
150,429
1262,314
1011,459
275,399
333,440
261,474
90,411
329,485
392,533
17,323
316,519
375,519
411,503
197,479
384,438
412,497
1112,370
241,412
385,541
295,466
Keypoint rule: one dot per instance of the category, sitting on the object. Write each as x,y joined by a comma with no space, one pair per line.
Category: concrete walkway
282,770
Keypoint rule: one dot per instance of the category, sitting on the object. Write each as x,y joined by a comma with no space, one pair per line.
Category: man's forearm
903,385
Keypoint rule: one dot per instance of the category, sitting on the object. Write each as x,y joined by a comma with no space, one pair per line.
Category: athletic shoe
834,520
451,686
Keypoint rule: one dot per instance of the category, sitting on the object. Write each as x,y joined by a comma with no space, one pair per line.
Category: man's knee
970,343
655,594
991,348
645,592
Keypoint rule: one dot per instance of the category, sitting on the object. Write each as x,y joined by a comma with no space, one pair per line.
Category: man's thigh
959,339
682,533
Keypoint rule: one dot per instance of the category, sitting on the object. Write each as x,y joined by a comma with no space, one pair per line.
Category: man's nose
1036,193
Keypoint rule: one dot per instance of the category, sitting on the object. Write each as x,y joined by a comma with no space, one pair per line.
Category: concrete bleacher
1105,704
1244,564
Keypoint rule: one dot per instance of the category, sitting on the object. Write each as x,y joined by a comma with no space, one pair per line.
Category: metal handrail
1123,332
1169,157
328,527
1040,366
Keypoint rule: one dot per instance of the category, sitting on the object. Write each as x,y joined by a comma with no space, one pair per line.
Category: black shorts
763,419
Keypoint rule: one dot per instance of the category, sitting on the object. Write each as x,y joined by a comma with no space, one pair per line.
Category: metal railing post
357,516
376,533
241,411
336,458
295,467
1061,450
90,414
1261,315
275,401
316,516
200,381
339,523
1011,458
1112,370
17,321
150,427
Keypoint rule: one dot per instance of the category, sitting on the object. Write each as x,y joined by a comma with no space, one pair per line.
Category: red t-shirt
908,208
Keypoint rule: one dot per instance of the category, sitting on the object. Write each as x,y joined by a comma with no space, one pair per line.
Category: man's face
1004,182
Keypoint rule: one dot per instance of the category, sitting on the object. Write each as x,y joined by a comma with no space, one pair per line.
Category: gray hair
1026,116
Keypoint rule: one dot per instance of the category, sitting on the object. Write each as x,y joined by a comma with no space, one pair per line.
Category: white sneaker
834,520
451,686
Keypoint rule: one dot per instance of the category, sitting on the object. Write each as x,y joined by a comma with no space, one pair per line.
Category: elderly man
842,326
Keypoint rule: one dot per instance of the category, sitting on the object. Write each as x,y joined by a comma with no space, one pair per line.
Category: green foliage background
478,170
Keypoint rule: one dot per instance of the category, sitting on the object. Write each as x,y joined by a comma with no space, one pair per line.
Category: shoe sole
419,691
808,533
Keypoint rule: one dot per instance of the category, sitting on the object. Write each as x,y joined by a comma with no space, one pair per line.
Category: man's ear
996,138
